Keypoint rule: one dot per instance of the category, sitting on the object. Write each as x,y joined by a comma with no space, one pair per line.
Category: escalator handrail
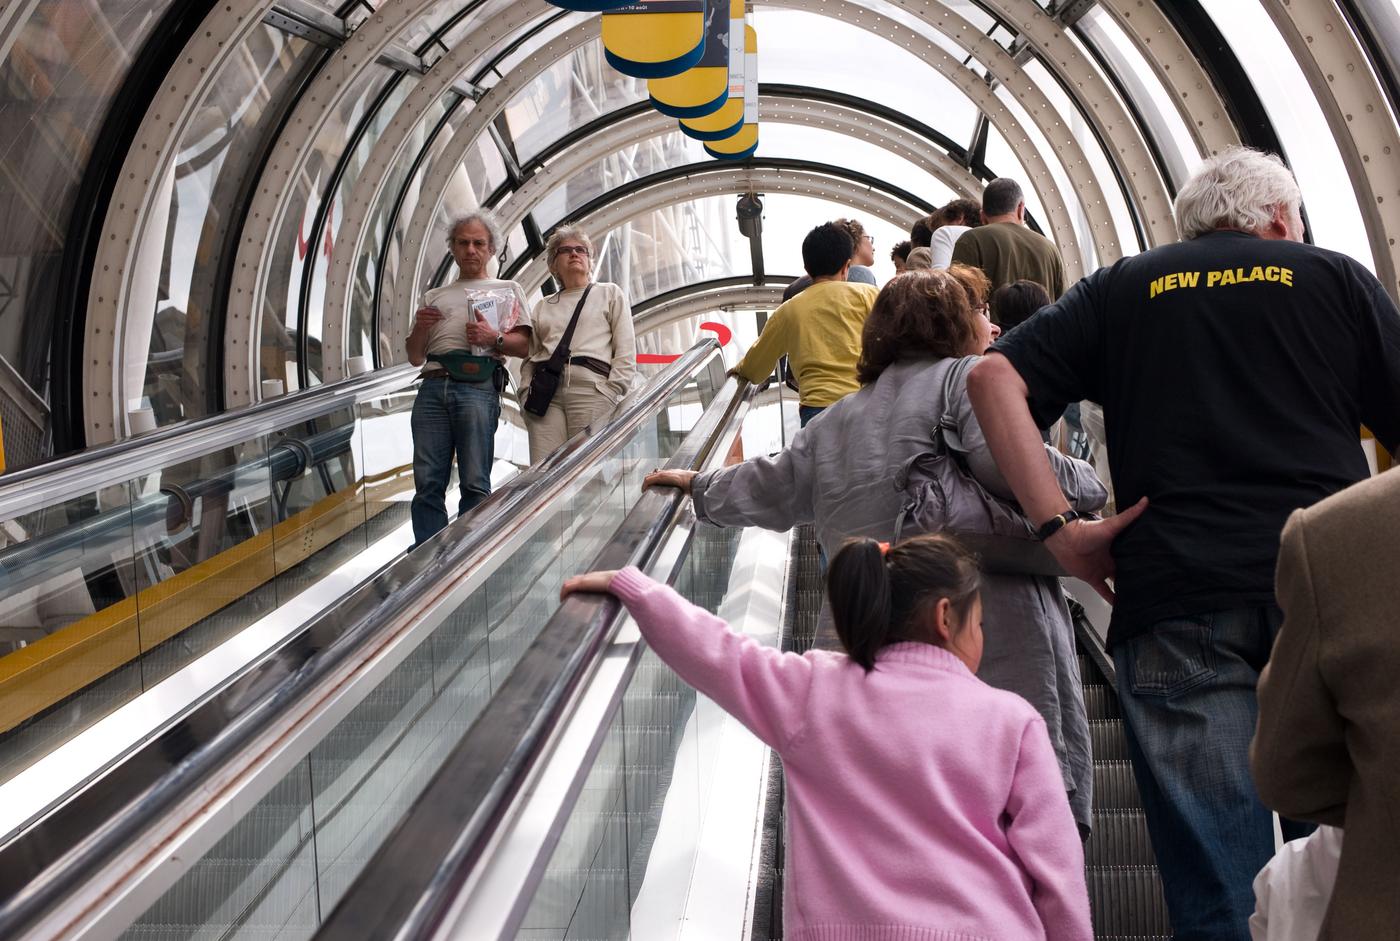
43,485
61,849
410,885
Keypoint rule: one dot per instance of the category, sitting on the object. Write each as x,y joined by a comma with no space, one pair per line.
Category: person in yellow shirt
819,329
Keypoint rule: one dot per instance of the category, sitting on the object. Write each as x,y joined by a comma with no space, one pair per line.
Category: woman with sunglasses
602,353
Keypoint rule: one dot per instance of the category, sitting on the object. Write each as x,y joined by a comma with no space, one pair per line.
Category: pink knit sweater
923,805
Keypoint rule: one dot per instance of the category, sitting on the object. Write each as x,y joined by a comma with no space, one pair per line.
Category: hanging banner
655,39
703,89
750,75
737,25
743,142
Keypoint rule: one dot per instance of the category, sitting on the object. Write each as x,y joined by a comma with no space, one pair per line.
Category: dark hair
920,313
1001,196
879,598
922,232
901,250
1014,303
962,212
975,283
826,249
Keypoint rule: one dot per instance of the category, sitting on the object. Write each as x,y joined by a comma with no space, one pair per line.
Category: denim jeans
1187,694
806,413
451,418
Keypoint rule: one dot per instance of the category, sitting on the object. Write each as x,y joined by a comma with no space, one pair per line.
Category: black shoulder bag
544,382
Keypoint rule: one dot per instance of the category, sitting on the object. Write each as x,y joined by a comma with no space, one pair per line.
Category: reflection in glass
57,82
570,93
300,848
292,237
194,224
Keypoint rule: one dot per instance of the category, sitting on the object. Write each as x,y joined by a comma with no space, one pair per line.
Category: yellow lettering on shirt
1227,277
1213,278
1192,279
1286,276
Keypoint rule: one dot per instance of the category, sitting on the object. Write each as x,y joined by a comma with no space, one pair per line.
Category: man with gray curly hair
1234,369
462,333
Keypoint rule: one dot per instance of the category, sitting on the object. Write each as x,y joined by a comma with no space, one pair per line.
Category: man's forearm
417,346
998,396
517,343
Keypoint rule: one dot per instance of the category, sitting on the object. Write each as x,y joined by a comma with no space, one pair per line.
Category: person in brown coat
1327,745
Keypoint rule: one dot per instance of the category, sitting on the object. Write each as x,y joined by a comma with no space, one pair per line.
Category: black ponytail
878,595
858,585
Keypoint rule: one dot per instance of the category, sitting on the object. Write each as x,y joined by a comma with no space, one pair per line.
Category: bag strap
947,425
560,356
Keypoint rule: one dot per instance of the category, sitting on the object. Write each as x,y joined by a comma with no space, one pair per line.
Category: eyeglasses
571,250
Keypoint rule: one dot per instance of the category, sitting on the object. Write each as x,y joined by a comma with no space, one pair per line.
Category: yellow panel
54,667
750,40
740,142
652,37
691,89
729,115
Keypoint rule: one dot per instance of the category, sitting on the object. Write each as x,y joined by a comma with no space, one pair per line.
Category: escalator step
1127,902
1106,737
1099,702
1114,786
1119,839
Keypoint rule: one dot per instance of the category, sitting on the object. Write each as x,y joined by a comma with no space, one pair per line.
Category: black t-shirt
1234,373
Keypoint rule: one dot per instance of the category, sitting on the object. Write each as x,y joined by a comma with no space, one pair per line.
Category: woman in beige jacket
602,353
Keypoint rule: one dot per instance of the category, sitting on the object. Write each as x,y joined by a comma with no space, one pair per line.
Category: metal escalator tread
1125,892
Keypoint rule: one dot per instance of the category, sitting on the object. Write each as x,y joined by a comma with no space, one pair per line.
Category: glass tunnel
231,704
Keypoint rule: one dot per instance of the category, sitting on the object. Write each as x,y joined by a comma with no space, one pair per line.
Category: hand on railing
680,479
599,582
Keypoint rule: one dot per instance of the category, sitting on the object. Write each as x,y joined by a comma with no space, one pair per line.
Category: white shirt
941,246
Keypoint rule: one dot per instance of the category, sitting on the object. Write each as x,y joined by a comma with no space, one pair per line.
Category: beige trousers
577,403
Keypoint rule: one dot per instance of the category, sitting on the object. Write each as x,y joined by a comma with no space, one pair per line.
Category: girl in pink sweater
923,805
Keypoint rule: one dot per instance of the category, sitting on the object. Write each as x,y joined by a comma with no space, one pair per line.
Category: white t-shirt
502,303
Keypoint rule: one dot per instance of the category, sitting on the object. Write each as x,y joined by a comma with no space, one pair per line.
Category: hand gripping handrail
65,868
410,885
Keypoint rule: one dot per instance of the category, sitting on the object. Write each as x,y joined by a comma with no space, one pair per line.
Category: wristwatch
500,341
1057,523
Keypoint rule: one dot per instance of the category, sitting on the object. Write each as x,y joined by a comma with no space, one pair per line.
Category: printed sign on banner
750,75
660,6
736,48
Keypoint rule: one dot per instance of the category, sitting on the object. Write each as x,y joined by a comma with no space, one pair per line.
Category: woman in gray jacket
839,473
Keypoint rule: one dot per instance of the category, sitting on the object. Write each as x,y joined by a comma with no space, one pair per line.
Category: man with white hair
463,331
1234,369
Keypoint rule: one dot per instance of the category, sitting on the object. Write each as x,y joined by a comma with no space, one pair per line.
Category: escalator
333,727
451,753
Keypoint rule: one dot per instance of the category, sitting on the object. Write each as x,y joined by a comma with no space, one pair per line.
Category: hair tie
884,549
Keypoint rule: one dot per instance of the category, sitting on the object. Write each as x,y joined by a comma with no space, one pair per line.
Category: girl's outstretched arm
763,688
1043,836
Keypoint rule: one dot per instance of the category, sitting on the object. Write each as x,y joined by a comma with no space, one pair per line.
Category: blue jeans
1187,694
451,418
806,413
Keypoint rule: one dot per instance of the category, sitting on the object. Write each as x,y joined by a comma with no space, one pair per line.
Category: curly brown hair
919,313
975,282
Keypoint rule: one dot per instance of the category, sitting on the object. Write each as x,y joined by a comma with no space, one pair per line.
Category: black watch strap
1056,523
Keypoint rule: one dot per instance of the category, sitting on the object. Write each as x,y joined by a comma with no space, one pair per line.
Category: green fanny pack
464,366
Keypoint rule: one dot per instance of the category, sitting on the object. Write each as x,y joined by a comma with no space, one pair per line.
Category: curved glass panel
354,162
213,159
1078,125
1005,160
788,217
361,339
1334,217
901,81
66,61
776,139
570,93
672,247
278,346
1037,142
1163,123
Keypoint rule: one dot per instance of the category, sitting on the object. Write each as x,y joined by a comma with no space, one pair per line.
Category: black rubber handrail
409,886
69,845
